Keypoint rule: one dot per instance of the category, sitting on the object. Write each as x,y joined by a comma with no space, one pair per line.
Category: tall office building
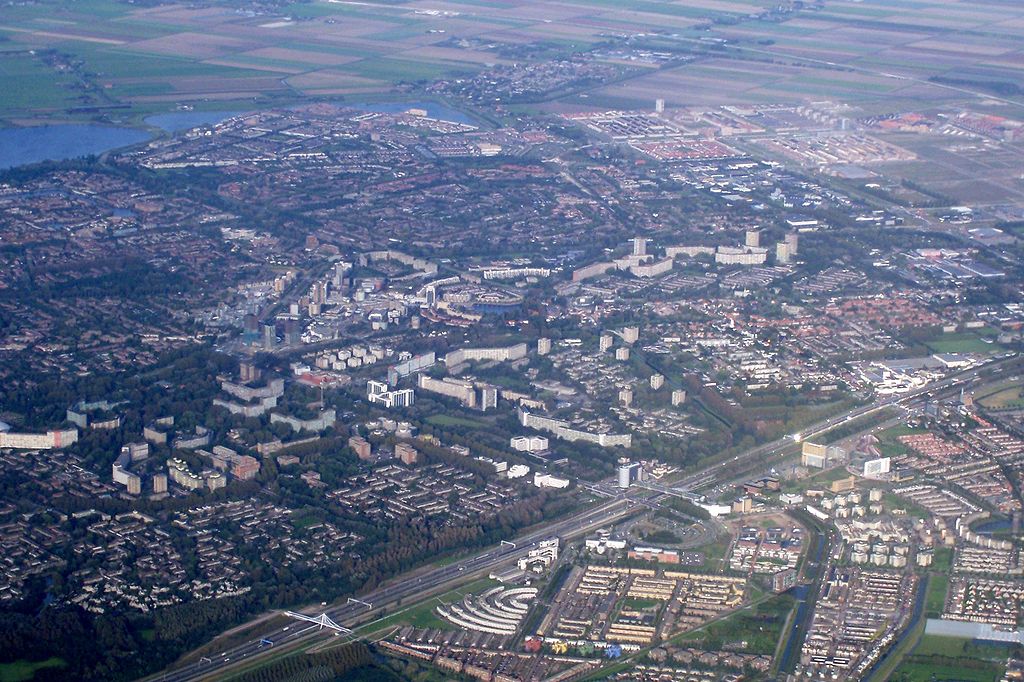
543,346
248,372
406,453
782,253
269,336
639,246
605,342
631,334
753,239
292,333
488,399
361,447
628,472
792,240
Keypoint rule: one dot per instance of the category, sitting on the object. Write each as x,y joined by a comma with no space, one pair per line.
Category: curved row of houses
498,611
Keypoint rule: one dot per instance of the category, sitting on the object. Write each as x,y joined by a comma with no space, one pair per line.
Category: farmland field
192,54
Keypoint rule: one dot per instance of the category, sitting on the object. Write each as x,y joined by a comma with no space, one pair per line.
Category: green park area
935,597
450,420
421,614
977,341
951,658
26,670
757,627
1003,396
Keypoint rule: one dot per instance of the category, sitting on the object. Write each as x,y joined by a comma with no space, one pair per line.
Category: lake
21,146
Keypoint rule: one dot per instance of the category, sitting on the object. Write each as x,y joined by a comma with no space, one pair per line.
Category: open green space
640,604
916,511
938,668
942,559
421,614
965,342
758,626
935,645
18,671
1004,396
935,596
449,420
714,555
953,658
30,84
888,440
385,69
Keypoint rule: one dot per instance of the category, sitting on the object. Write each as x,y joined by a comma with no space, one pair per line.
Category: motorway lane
417,584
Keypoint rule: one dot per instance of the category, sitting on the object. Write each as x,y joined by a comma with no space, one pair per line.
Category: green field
18,671
640,604
935,597
938,670
448,420
952,658
965,342
30,84
421,614
888,443
942,560
1009,396
759,626
714,555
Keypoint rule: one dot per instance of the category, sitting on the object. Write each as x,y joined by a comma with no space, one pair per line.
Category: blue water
992,526
433,109
186,120
20,146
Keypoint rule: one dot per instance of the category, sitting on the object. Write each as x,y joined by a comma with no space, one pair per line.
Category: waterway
21,146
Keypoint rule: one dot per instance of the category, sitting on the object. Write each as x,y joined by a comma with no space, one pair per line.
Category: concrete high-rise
406,453
792,240
639,246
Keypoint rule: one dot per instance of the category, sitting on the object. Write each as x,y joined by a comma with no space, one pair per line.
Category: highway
425,582
390,595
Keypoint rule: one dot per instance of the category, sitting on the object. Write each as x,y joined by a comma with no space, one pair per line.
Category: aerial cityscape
511,340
